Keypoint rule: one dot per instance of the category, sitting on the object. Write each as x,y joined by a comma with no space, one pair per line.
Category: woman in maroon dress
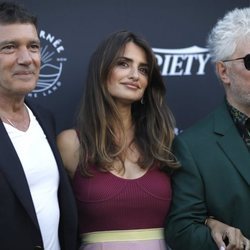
119,153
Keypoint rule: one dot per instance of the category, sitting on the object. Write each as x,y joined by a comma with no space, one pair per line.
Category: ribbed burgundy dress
107,202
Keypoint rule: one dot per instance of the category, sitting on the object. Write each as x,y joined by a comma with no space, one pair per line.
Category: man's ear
222,72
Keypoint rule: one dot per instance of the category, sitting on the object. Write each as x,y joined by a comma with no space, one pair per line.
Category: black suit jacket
19,227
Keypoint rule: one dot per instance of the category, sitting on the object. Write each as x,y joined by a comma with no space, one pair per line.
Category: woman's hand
227,237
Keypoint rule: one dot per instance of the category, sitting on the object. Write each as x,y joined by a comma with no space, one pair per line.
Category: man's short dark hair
11,13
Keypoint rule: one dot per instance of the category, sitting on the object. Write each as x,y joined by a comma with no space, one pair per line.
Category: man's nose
24,56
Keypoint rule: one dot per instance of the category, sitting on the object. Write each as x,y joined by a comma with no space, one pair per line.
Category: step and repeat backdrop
176,30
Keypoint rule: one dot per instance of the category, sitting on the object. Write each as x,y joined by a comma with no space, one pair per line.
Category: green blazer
214,180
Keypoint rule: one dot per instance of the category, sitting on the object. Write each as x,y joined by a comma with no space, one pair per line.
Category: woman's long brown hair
98,116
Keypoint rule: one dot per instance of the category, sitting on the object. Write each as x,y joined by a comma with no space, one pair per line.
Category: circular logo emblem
51,65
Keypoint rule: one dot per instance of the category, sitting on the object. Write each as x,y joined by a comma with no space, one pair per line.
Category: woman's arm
68,145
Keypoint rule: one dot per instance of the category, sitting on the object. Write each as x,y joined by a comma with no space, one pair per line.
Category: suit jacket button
38,248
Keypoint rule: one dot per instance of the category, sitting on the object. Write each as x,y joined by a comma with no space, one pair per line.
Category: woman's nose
134,74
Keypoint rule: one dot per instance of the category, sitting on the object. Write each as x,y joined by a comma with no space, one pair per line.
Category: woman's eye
144,71
122,63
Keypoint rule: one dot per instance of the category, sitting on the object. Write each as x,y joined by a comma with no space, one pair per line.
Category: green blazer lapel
231,143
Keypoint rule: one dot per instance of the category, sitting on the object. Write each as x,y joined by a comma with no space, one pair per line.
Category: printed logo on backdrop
52,61
182,62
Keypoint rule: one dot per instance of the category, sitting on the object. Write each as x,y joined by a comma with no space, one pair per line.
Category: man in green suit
213,185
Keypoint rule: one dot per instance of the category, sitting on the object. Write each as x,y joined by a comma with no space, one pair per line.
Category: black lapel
12,169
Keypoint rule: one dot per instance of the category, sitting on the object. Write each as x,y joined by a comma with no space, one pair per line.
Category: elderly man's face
236,78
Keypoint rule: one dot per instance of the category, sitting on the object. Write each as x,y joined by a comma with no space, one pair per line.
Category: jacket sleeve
185,228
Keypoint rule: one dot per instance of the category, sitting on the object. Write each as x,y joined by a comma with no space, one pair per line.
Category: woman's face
129,77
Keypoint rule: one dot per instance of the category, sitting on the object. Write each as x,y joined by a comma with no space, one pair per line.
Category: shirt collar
240,119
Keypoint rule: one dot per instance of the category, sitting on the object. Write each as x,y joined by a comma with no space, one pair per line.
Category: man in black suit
37,207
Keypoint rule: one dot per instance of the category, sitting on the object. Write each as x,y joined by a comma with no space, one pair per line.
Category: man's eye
35,48
8,49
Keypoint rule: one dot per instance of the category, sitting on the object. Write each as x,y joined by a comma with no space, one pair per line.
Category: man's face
19,58
236,79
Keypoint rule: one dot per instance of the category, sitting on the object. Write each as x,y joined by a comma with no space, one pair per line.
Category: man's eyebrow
7,42
13,41
35,41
